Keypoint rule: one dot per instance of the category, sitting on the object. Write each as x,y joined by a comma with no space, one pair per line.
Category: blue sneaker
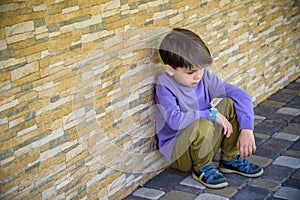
210,177
240,166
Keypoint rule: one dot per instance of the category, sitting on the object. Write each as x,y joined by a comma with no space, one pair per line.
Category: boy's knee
228,101
204,122
204,125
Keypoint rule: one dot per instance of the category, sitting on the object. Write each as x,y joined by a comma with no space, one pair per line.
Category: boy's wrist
213,114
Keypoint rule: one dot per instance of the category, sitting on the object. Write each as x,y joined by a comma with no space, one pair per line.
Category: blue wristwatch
214,112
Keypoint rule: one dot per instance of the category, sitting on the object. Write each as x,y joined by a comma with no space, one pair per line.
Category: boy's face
186,76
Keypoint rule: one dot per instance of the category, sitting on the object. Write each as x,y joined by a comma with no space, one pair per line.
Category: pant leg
229,145
195,147
201,140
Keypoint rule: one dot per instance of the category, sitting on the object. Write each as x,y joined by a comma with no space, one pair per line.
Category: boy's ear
169,70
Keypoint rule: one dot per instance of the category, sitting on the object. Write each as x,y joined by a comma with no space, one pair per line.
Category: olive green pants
202,139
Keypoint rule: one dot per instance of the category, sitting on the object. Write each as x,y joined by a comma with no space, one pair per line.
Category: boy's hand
246,143
224,123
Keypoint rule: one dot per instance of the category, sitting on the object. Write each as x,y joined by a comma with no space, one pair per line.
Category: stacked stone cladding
76,97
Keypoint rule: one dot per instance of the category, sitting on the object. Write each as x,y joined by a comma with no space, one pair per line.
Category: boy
190,132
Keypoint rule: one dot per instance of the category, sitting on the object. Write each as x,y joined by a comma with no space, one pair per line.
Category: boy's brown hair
184,48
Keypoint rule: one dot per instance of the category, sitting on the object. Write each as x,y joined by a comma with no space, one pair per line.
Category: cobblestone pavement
277,132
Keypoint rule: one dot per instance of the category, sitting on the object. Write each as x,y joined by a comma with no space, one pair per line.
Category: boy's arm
244,109
242,100
167,105
243,106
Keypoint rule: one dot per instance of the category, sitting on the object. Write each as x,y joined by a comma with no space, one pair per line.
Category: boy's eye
190,72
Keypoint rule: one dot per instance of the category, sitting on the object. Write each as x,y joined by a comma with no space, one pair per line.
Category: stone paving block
274,104
259,141
288,193
293,128
260,160
274,198
261,135
295,146
259,117
188,189
164,181
235,176
291,153
293,86
236,182
226,192
277,173
280,116
292,183
289,111
133,198
189,181
178,195
263,110
295,102
148,193
264,183
286,90
281,96
252,193
269,126
207,196
296,120
296,175
286,136
272,148
287,161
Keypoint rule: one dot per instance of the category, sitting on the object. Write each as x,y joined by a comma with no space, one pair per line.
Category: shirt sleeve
167,105
242,100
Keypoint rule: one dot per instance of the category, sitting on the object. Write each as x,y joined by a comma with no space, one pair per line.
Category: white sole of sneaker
218,186
229,171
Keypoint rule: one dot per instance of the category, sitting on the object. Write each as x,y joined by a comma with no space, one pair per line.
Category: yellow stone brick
63,41
80,156
24,71
2,33
30,78
118,23
97,186
96,192
73,189
57,160
30,50
67,83
18,165
44,187
13,194
11,18
5,76
56,18
51,115
37,2
161,23
79,172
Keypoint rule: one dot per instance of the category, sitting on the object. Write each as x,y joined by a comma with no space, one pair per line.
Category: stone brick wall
76,95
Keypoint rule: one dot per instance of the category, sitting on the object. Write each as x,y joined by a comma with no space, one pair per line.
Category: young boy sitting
190,132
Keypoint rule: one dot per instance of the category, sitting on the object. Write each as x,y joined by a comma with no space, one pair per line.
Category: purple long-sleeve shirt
179,105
